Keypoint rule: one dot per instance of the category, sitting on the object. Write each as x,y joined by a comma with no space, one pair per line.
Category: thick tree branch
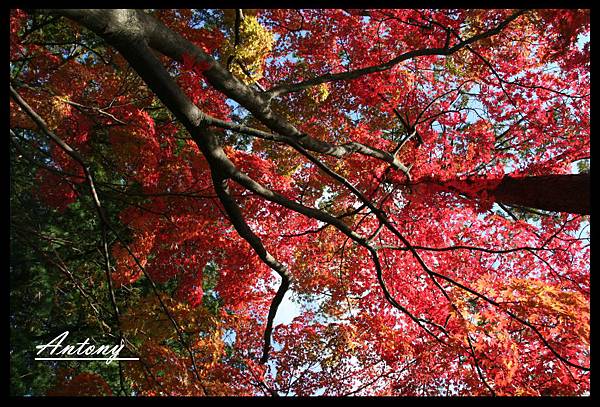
115,24
153,73
237,219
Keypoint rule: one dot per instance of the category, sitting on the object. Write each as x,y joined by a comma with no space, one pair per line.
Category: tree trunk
559,193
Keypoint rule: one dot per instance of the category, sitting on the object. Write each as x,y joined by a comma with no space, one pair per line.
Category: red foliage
82,384
485,302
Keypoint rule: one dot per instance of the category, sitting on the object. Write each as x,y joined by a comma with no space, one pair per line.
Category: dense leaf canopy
301,202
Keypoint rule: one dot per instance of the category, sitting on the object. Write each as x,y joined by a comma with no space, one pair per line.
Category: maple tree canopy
412,184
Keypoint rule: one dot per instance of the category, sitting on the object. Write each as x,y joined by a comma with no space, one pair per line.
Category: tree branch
294,87
237,219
